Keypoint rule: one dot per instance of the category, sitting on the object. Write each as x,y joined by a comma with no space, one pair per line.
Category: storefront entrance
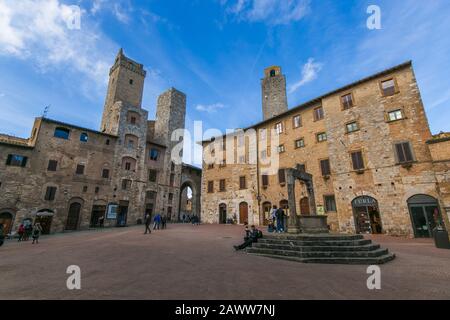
425,215
367,215
98,211
223,213
44,218
122,214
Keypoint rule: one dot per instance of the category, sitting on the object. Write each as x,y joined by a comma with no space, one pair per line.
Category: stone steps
321,248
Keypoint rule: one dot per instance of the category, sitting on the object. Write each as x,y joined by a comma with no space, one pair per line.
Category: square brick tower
274,101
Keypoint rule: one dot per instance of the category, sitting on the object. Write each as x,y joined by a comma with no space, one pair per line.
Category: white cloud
273,12
37,30
2,94
310,71
210,108
121,14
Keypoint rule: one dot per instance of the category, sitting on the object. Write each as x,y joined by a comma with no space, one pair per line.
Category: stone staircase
321,248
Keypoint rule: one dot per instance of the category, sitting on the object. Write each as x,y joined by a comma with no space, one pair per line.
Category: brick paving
198,262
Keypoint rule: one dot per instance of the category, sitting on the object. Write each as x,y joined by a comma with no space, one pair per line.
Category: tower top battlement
124,61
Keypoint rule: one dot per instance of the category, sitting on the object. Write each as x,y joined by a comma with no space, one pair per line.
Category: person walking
21,232
156,221
148,222
36,233
163,222
28,231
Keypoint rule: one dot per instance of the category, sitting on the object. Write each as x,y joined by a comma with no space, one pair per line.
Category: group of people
277,220
195,220
159,222
25,231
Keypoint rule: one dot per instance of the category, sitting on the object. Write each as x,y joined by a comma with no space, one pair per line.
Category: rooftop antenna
46,109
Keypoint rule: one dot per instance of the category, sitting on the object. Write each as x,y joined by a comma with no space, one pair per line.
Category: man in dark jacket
251,236
280,220
148,222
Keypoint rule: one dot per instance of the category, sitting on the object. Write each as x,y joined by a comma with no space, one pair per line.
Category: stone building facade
376,166
68,177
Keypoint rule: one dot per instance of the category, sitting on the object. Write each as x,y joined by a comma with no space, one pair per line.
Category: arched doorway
284,204
73,216
222,213
367,215
304,206
425,215
44,217
243,212
186,206
267,208
6,219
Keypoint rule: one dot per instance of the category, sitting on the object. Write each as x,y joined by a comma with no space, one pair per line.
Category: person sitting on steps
252,235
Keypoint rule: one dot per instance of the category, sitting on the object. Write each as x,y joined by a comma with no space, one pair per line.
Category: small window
300,143
279,128
154,153
242,183
388,87
265,180
97,189
133,120
281,176
80,169
16,160
281,148
170,197
330,203
347,101
84,137
105,173
172,180
357,160
52,165
222,185
62,133
273,73
126,184
297,121
151,195
352,127
152,175
318,114
325,167
131,81
107,142
210,186
404,152
321,137
395,115
85,188
50,194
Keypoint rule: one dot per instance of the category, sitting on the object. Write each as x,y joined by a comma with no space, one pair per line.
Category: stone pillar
292,224
311,197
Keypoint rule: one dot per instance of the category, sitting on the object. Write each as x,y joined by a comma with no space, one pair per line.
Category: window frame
396,89
52,165
389,112
358,151
397,156
222,185
303,144
299,120
210,186
242,182
347,131
321,167
321,133
10,163
62,129
325,196
50,193
279,127
352,99
315,113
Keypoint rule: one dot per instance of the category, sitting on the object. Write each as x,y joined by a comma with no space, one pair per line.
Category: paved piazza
198,262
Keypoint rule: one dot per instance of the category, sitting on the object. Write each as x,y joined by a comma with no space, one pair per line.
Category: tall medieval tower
274,101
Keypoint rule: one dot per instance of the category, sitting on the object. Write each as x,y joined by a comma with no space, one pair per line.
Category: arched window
62,133
84,137
131,141
272,73
128,164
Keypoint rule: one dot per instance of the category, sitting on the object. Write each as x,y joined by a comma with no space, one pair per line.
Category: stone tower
170,116
126,85
273,85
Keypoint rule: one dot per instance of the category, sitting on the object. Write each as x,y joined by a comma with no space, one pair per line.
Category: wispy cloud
120,13
273,12
310,71
2,94
210,108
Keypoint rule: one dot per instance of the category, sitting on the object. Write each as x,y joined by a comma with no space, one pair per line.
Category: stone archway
191,177
425,215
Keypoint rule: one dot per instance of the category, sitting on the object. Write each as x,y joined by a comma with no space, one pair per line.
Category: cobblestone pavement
198,262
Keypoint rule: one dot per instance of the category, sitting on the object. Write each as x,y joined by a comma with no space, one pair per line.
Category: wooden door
6,220
73,217
304,206
243,212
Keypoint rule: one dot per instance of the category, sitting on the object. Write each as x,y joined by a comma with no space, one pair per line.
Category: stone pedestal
313,224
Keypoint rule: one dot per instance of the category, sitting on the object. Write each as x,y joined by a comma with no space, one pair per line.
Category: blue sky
214,51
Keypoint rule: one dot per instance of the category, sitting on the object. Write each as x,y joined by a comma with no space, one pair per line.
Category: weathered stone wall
274,100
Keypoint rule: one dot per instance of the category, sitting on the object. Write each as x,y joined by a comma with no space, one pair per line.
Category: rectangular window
126,184
388,87
128,166
105,173
395,115
151,195
279,128
300,143
352,127
52,165
152,174
318,114
281,148
172,180
265,180
321,137
296,121
347,101
154,154
242,183
330,203
281,176
404,152
170,197
80,169
357,160
222,185
97,189
210,186
50,193
325,167
16,160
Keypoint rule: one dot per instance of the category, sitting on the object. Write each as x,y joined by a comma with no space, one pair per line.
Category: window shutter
281,176
407,151
400,154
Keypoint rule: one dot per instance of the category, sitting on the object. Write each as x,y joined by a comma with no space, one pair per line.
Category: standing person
36,233
163,222
148,222
156,221
21,232
28,231
101,220
273,215
2,234
280,218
